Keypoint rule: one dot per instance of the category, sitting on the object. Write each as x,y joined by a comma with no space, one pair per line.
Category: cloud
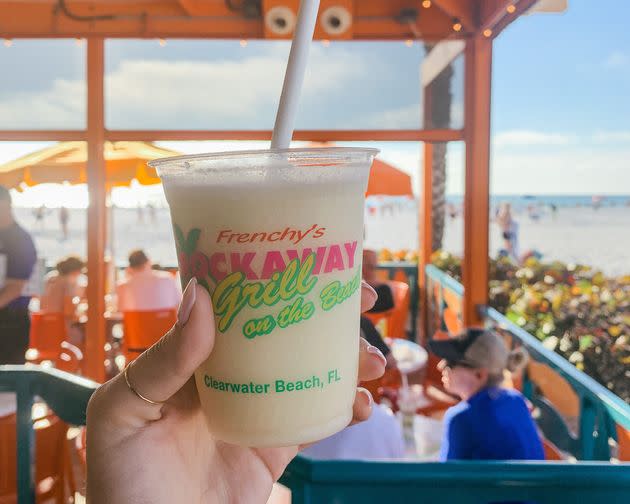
407,116
517,138
617,59
601,137
563,171
184,94
62,106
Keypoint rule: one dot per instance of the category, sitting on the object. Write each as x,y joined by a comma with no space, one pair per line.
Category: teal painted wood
349,482
444,279
411,271
67,395
599,407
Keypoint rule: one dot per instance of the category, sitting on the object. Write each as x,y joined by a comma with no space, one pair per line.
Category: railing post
25,447
587,429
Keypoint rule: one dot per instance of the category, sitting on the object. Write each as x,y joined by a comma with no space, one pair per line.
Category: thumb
166,367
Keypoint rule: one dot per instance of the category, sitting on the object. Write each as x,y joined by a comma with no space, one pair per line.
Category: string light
78,41
457,25
426,4
325,42
409,42
487,32
162,42
243,43
8,42
511,9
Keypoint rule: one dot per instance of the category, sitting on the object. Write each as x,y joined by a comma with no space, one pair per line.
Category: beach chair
396,318
143,328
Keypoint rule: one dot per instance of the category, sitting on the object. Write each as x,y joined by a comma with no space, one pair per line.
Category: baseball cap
473,348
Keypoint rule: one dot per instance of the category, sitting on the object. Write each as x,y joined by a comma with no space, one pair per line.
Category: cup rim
323,151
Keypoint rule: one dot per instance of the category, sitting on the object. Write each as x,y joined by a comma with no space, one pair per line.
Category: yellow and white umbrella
67,162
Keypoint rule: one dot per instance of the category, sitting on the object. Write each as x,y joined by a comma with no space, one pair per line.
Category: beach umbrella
387,180
67,162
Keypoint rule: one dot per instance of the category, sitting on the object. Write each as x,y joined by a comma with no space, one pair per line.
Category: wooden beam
437,135
372,20
460,9
498,18
478,68
95,332
429,135
41,135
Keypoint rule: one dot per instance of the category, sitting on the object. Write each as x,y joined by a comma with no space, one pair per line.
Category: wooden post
478,68
425,218
97,231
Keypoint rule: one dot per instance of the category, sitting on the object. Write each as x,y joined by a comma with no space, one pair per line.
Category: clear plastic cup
275,236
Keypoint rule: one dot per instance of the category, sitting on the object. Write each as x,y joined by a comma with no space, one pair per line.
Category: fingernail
375,351
369,288
188,301
367,395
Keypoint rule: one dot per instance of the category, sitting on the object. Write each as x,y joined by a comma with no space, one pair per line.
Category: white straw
294,76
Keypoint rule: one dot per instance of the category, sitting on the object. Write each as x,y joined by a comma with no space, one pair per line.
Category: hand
139,452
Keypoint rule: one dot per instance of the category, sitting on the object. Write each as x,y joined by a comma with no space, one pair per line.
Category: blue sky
561,110
568,72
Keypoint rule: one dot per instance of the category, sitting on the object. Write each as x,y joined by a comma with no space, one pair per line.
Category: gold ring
146,399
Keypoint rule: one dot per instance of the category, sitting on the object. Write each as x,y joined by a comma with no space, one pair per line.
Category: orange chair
50,459
552,452
623,441
396,318
48,331
143,328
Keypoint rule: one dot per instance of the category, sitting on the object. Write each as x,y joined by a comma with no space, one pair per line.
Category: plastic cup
275,236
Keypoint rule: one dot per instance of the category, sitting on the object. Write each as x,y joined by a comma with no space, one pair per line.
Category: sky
560,116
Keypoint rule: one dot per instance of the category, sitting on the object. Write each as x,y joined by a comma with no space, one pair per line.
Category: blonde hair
517,360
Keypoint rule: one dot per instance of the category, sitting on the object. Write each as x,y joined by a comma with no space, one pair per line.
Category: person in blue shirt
17,260
490,422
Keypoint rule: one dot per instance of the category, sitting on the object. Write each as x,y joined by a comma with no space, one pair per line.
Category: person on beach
39,213
509,230
147,436
64,218
490,422
18,257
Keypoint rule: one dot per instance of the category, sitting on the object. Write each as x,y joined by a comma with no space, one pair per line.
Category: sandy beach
600,238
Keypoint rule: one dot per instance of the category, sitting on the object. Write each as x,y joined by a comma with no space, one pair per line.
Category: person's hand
138,452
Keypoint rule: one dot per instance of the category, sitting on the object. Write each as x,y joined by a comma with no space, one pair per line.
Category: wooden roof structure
431,20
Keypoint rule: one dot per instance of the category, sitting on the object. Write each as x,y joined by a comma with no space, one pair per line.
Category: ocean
575,232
